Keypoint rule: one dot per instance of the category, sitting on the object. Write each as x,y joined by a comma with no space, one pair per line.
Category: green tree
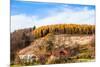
34,27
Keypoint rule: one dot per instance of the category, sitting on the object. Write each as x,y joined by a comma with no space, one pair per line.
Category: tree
34,27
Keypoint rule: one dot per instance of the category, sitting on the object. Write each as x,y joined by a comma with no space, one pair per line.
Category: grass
86,60
15,66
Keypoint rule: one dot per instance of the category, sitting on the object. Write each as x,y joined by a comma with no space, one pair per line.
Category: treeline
64,29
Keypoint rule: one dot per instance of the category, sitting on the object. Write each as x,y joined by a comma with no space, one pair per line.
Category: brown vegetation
19,40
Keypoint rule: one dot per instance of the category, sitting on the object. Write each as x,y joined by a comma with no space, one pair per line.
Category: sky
25,14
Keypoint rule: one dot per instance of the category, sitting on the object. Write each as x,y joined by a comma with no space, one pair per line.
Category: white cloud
21,21
86,2
81,17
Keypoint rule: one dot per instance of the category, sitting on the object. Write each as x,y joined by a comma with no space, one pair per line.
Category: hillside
60,46
61,43
58,41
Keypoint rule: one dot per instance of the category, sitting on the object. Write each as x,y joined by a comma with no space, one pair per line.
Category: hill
60,41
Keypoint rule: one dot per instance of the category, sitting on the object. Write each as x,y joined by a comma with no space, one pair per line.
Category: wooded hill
23,38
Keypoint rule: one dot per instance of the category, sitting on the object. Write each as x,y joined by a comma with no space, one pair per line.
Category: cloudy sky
26,14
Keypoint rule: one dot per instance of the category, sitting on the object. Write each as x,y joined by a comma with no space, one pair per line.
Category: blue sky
27,14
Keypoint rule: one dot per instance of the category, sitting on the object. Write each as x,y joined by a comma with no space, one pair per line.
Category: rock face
52,48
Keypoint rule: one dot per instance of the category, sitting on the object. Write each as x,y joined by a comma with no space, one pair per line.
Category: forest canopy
64,29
